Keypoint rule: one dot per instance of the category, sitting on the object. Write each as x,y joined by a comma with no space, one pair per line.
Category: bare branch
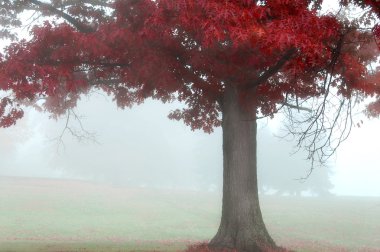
81,135
297,107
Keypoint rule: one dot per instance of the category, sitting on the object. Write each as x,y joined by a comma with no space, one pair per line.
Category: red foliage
375,7
187,50
9,113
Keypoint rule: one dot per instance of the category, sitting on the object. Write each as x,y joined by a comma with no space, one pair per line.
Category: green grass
63,215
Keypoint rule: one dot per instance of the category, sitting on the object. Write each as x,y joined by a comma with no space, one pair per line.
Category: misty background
142,147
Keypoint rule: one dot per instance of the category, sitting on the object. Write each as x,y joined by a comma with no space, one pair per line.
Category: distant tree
6,145
320,183
11,140
228,61
284,170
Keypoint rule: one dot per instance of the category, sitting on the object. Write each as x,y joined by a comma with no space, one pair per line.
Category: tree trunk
242,226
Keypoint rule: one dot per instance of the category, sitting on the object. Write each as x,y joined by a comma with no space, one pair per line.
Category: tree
227,61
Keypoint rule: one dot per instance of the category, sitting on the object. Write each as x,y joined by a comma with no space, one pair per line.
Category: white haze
142,147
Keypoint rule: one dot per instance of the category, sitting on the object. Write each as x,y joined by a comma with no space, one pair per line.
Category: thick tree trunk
242,226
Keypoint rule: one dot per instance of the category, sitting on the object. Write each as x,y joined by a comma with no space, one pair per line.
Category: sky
138,140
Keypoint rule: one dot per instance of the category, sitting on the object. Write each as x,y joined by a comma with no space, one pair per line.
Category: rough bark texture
242,226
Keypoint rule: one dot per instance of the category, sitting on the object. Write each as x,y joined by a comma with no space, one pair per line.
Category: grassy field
67,215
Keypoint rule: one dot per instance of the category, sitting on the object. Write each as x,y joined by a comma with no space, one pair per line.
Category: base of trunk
204,247
244,240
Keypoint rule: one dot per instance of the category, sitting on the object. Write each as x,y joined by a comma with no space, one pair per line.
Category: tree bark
242,226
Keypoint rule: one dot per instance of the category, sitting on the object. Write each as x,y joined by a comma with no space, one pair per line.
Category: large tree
228,61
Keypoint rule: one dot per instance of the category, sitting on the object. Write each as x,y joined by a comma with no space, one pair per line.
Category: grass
64,215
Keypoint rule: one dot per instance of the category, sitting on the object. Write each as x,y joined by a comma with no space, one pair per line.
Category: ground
66,215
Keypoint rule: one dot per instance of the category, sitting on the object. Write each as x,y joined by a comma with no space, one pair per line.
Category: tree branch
79,26
297,107
92,2
274,69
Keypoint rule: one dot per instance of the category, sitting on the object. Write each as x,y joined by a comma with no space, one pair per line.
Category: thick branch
92,2
273,69
296,107
79,26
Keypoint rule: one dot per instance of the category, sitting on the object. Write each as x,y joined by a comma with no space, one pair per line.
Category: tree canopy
186,50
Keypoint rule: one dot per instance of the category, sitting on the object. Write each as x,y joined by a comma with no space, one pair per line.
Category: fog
142,147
